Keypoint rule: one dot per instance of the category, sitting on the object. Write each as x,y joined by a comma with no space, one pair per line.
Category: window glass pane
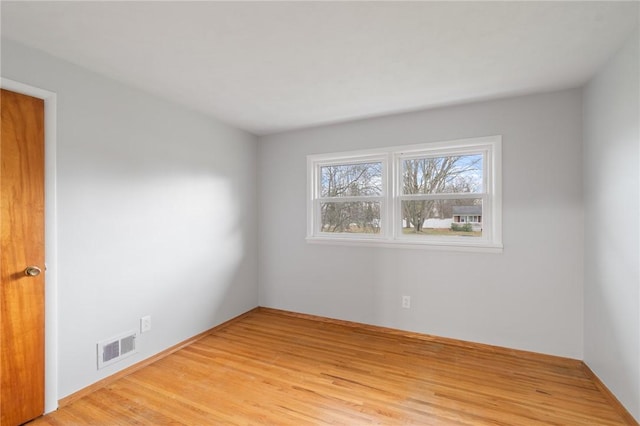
351,180
442,175
442,217
358,217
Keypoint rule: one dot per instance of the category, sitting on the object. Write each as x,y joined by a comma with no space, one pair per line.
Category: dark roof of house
467,210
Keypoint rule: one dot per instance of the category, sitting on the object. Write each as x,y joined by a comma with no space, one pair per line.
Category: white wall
612,254
156,215
528,297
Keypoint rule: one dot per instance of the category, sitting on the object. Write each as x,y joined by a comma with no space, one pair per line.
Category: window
351,197
445,194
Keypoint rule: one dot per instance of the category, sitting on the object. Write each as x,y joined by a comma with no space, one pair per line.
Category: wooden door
21,259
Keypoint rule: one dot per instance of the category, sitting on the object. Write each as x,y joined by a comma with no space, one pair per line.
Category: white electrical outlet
145,324
406,302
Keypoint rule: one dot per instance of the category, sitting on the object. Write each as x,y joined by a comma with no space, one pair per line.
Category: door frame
50,237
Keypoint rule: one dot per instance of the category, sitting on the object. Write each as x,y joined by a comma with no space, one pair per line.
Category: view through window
445,193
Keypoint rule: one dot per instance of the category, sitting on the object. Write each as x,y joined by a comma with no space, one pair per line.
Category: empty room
312,213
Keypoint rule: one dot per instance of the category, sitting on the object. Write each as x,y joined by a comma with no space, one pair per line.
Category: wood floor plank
273,368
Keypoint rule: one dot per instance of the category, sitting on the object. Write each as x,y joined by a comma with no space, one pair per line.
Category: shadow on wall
167,232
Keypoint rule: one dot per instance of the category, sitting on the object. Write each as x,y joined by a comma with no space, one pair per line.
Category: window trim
391,198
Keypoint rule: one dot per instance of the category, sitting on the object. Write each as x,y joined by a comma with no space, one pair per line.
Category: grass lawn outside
446,232
441,231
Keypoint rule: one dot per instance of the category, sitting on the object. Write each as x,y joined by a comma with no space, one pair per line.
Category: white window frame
315,164
390,208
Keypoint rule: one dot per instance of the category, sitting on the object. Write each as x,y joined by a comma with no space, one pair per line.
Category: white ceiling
268,67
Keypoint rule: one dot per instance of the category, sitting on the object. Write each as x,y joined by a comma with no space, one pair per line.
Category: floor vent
117,348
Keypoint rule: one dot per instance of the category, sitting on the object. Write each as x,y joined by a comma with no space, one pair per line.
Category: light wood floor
280,369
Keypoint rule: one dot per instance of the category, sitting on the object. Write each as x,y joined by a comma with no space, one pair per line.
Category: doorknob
32,271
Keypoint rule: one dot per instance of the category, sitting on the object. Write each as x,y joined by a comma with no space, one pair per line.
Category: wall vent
117,348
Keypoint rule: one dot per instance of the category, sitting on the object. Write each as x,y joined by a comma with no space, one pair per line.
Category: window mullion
397,191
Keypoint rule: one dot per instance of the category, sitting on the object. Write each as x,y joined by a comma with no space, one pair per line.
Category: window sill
478,247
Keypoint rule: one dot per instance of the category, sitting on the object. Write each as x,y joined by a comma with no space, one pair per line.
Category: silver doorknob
32,271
